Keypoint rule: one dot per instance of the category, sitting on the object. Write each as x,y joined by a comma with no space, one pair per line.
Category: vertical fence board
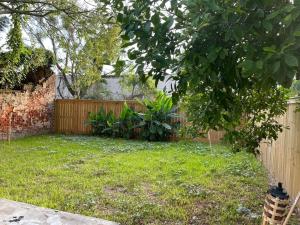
282,157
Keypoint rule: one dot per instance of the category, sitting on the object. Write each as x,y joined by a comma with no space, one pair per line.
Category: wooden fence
282,157
71,116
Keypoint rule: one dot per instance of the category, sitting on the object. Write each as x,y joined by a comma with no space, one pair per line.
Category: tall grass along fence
71,115
282,157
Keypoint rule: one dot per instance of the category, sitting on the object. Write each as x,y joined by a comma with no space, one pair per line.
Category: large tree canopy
39,8
232,44
226,54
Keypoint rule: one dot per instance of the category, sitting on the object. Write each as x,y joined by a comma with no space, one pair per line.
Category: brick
31,111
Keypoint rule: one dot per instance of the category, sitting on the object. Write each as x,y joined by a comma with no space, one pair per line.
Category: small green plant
158,121
125,124
102,122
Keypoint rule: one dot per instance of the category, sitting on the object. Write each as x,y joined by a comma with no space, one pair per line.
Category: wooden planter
275,210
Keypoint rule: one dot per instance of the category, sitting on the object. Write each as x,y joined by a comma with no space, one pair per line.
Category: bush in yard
258,109
125,124
102,122
157,122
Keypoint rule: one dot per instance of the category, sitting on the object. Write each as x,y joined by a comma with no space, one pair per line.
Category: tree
21,13
217,50
130,82
19,60
38,8
81,49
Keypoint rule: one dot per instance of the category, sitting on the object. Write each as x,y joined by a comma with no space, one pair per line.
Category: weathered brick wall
31,112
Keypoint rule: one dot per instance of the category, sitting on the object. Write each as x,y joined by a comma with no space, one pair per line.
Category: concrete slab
16,213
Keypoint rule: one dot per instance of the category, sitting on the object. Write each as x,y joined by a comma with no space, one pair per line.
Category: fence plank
282,157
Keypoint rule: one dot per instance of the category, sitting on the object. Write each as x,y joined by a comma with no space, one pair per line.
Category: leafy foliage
106,124
157,124
82,46
221,52
82,36
253,118
130,82
20,60
37,8
124,125
13,72
101,122
209,44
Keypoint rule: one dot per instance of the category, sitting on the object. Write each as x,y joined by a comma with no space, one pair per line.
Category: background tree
81,46
221,51
69,16
19,60
131,83
39,8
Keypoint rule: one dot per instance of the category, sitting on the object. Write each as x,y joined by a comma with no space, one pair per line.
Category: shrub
157,122
101,122
125,124
258,108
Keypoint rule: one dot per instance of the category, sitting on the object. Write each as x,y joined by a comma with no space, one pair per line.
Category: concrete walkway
16,213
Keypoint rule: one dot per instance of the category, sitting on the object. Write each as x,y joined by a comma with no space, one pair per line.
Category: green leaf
167,126
271,49
120,17
268,25
276,67
259,64
155,19
297,33
273,15
248,64
291,60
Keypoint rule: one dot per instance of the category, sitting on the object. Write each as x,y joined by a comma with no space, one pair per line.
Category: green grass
134,182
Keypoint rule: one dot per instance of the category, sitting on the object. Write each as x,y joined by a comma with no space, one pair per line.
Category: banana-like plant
159,120
158,123
101,122
125,125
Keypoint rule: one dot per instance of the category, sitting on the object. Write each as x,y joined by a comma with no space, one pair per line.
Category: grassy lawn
134,182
